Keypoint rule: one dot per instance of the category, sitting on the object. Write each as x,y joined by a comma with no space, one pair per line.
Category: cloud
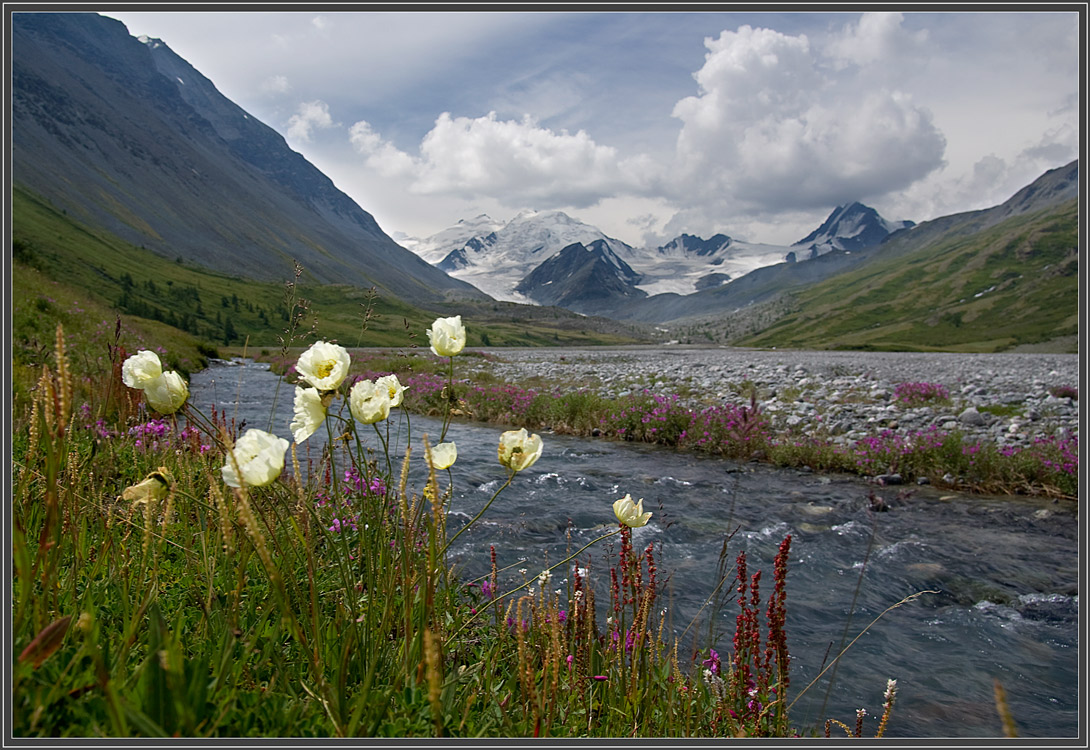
877,37
515,161
309,116
775,128
275,85
380,155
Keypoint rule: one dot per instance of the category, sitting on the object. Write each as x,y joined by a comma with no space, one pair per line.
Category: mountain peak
851,227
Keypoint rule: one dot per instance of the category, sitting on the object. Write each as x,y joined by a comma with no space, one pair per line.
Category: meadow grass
153,598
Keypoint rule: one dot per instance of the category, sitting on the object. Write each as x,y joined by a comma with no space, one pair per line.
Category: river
1005,568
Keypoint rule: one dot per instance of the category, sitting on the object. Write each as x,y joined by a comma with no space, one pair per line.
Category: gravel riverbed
1003,398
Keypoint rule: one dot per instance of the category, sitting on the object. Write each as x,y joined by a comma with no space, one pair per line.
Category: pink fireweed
920,394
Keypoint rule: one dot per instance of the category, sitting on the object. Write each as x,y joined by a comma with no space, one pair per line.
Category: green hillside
93,270
1014,284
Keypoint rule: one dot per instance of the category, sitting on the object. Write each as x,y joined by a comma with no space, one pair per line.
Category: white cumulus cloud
310,115
379,154
775,128
515,161
875,38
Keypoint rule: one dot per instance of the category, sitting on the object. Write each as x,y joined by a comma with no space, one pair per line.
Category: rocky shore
1004,398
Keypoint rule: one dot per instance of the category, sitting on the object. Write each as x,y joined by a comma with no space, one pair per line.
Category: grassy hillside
1015,284
93,270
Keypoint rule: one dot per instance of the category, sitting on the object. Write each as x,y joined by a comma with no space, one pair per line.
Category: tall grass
152,599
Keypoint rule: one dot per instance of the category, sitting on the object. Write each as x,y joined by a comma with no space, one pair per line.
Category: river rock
847,396
971,417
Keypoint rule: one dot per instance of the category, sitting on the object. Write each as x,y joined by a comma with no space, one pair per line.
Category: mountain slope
588,279
688,264
981,281
850,227
126,135
497,260
768,283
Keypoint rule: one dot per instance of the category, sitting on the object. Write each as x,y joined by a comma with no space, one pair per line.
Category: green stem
450,401
481,513
385,446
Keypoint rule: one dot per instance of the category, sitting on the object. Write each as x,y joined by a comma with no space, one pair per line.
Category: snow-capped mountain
850,227
435,248
588,279
688,264
496,260
503,260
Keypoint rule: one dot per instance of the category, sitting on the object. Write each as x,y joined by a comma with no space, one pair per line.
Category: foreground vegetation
160,589
171,579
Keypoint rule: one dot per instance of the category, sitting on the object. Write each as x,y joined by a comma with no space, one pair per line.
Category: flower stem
450,396
510,477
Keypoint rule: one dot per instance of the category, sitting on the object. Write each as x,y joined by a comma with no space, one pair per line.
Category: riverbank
1006,399
999,424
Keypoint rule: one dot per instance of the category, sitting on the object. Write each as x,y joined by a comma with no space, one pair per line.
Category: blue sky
650,124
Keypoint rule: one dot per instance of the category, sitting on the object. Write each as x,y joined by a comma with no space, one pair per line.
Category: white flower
447,336
394,386
166,393
368,402
323,365
260,458
309,413
630,513
518,449
443,455
140,369
154,487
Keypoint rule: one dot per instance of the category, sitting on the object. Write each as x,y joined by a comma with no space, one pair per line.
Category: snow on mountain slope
688,264
436,247
498,256
849,227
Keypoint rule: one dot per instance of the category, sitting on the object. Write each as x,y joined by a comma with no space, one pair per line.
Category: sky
650,124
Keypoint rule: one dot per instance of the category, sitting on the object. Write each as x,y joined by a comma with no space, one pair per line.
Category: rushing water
1005,568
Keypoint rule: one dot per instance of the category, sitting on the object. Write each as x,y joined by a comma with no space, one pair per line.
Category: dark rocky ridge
588,279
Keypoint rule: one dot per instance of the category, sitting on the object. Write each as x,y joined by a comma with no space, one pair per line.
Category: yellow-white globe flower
152,489
323,366
260,458
369,402
629,513
141,369
518,449
309,413
393,387
447,336
444,455
166,393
